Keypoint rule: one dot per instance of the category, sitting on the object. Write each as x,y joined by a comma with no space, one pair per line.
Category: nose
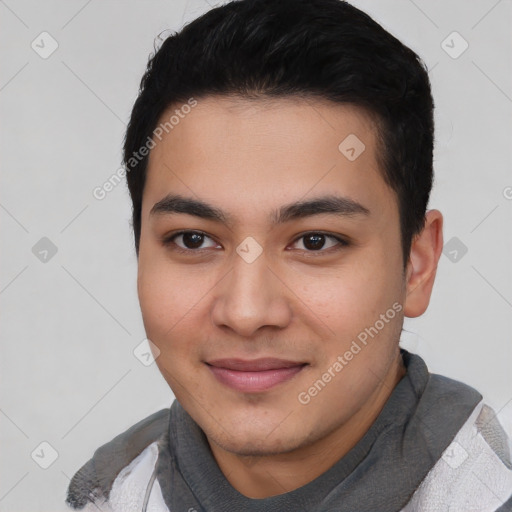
250,297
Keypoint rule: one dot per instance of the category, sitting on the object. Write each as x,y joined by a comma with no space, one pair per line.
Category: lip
253,376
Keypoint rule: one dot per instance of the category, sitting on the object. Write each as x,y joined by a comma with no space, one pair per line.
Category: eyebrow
335,205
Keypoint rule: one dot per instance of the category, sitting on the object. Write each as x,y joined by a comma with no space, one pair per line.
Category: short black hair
324,49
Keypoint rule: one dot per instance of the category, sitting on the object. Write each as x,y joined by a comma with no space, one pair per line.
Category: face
272,286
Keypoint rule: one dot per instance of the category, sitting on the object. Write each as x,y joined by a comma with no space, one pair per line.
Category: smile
256,375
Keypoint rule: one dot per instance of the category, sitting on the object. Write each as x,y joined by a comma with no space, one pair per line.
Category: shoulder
475,470
469,449
94,480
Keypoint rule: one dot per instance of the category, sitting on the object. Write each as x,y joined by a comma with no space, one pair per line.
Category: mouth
254,376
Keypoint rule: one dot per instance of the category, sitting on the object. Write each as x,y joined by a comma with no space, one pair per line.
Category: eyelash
167,241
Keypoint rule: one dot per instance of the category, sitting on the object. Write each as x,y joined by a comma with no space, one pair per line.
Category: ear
421,270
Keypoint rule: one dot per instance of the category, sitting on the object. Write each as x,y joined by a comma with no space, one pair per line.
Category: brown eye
192,240
314,242
319,242
188,241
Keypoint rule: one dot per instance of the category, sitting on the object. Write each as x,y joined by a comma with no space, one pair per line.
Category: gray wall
70,321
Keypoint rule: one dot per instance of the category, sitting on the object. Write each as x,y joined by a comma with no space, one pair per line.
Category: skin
250,158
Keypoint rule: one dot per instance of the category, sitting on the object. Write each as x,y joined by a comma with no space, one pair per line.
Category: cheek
164,291
156,300
171,329
352,301
347,296
163,301
172,305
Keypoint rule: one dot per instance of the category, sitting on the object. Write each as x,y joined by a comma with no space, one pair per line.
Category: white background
69,326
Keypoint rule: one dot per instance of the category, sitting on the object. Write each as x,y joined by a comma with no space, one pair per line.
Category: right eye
186,241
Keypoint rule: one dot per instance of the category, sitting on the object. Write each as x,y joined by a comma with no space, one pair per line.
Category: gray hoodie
435,446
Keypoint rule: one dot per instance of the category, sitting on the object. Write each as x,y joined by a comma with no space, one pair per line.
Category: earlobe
426,250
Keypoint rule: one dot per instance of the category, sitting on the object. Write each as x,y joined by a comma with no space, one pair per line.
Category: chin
254,444
257,434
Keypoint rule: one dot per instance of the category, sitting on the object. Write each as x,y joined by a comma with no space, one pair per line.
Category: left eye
313,242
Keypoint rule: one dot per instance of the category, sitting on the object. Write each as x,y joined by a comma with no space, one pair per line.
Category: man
279,160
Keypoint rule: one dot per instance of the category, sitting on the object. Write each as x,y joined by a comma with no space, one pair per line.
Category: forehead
239,154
